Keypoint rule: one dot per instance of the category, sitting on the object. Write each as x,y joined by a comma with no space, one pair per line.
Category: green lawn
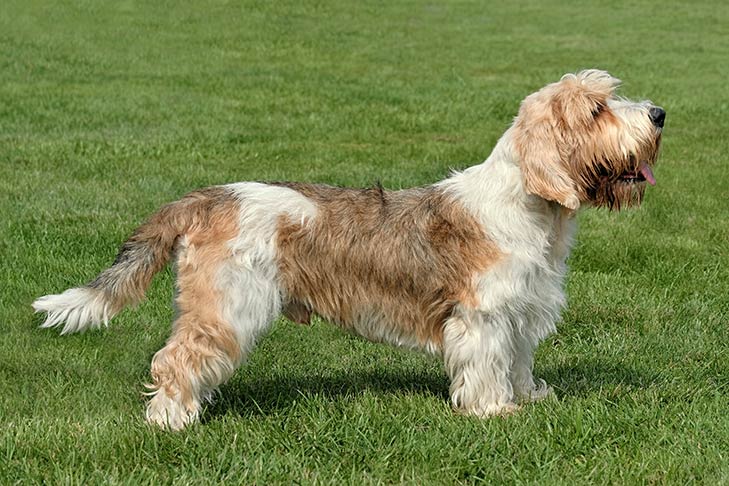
110,109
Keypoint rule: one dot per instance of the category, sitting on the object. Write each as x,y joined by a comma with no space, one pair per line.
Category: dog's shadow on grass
589,376
268,395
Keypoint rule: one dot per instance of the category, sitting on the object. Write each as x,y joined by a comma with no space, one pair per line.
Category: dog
470,268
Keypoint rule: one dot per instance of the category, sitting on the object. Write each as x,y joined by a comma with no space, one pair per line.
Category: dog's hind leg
222,307
478,352
199,356
202,351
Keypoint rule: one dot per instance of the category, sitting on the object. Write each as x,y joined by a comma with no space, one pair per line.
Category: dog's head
578,143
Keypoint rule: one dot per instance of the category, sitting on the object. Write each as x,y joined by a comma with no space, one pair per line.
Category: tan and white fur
470,268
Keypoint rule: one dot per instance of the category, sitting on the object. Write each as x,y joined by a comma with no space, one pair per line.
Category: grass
110,109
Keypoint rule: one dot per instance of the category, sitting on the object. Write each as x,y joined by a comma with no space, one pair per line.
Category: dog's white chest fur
534,236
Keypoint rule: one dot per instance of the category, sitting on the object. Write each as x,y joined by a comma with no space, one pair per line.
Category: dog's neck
494,193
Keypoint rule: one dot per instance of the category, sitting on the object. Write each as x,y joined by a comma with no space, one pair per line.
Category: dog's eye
597,110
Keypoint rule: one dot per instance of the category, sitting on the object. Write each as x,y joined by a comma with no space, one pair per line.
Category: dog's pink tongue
648,173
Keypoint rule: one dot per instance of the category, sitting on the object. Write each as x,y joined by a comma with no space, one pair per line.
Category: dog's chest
527,284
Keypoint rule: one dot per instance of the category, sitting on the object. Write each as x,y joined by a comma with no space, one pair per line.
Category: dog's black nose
657,115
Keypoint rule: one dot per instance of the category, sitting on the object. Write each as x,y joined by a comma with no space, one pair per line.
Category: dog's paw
538,391
489,410
169,413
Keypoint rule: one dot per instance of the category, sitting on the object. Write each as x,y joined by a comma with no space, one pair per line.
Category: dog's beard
618,186
616,195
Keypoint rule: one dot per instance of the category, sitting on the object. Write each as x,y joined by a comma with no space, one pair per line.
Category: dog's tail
143,255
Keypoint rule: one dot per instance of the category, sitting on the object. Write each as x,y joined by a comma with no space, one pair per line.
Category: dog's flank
389,265
471,268
143,255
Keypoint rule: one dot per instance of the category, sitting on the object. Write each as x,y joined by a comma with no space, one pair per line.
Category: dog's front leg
526,387
478,352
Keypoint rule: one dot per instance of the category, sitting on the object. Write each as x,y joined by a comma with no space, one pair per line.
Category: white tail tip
80,308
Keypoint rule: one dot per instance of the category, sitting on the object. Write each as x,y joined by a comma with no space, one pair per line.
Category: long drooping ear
542,154
544,175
